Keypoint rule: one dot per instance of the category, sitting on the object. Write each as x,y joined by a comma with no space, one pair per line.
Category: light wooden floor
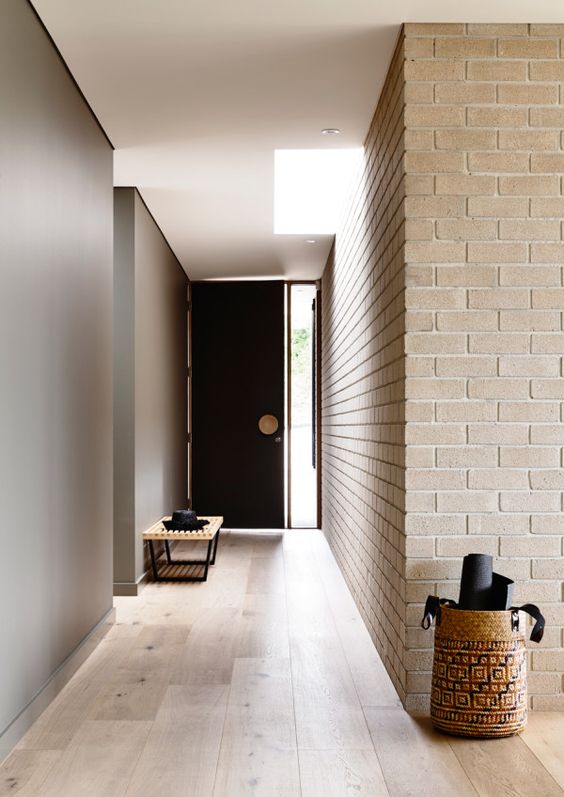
261,682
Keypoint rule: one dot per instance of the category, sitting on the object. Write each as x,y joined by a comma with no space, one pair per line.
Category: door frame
189,392
317,355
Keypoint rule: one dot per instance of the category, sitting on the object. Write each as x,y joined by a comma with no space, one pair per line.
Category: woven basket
479,685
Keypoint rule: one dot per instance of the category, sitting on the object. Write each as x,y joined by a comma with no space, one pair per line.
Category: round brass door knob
268,424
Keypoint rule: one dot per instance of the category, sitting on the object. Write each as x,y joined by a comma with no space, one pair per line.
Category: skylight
310,187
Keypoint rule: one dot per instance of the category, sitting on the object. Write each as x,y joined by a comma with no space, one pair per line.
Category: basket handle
432,609
534,611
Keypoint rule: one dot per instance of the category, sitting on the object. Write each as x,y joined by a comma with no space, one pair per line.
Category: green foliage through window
301,351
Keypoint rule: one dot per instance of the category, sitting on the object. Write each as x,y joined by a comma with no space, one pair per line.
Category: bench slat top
158,531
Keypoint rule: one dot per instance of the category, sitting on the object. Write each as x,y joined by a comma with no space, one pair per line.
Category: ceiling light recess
310,241
330,131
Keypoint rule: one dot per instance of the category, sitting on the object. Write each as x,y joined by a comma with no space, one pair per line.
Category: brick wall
484,342
363,385
484,168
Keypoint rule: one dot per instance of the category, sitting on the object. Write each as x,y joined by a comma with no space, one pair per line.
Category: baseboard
131,588
11,735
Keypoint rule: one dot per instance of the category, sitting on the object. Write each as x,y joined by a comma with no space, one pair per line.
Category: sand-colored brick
464,92
421,434
528,93
498,479
418,139
466,366
434,29
529,366
497,253
501,116
465,48
529,457
531,276
549,298
469,321
530,140
552,207
434,388
547,117
498,162
499,343
435,524
434,479
547,253
416,321
419,229
468,501
418,47
434,162
466,230
530,502
435,343
465,184
501,434
464,139
498,525
547,388
528,321
528,412
432,70
530,185
547,29
434,207
546,70
468,456
527,48
434,252
548,162
435,116
498,298
460,546
529,230
494,70
502,388
547,434
530,546
419,93
547,344
547,479
498,207
468,276
548,568
547,524
465,411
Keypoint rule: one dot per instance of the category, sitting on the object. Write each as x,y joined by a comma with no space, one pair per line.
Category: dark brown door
237,377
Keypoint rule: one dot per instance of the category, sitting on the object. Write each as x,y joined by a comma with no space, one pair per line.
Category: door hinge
189,437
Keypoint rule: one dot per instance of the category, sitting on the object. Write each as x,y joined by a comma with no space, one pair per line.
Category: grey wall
151,392
55,362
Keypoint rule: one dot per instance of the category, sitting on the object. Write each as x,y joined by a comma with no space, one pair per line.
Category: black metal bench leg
216,541
167,549
153,560
208,560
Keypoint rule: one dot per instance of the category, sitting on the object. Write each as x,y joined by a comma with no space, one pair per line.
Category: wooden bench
209,534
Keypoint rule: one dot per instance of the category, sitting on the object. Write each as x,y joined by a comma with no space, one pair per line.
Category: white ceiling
197,94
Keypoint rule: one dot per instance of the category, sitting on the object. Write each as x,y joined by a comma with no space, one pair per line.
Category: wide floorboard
262,681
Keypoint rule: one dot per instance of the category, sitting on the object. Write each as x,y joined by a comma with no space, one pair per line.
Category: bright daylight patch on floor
310,186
